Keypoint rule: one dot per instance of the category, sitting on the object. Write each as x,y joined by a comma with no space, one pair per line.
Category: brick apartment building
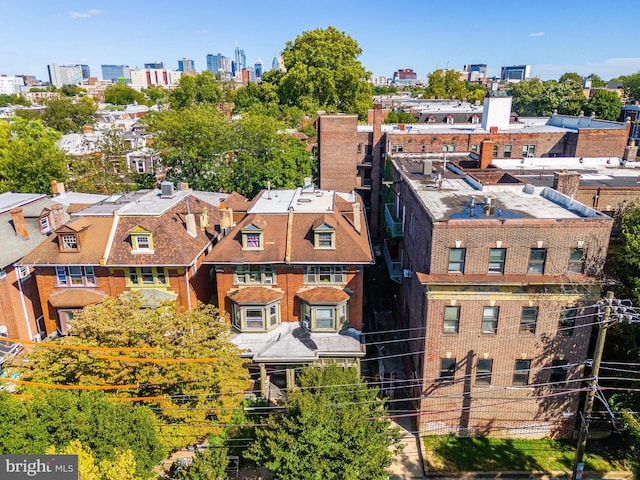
497,279
289,271
354,155
151,241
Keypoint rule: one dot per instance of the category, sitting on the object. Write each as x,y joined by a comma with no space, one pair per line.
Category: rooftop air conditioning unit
305,325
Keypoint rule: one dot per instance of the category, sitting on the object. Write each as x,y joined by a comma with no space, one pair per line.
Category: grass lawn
456,454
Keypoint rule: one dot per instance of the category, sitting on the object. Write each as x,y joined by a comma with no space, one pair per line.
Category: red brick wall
12,313
337,152
601,142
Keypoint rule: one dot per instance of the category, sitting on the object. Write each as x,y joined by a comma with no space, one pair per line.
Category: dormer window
324,236
69,242
252,238
141,240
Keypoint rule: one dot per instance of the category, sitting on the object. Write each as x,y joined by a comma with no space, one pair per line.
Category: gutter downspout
24,305
287,255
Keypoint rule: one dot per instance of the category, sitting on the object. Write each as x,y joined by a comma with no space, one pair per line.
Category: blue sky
553,36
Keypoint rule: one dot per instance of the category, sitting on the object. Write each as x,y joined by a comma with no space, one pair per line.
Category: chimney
377,122
190,220
57,187
58,215
183,186
19,223
87,129
226,217
566,182
427,167
357,224
486,154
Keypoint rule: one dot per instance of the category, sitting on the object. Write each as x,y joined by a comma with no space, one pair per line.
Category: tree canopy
59,418
631,86
604,104
121,94
68,115
330,429
399,117
208,151
323,71
196,90
533,98
195,393
29,157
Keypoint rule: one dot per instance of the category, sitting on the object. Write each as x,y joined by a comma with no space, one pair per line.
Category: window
450,147
521,372
254,275
496,149
324,236
483,371
449,119
475,119
507,151
496,260
256,317
576,260
537,257
456,260
146,276
252,238
558,372
69,242
141,242
528,150
65,320
23,271
324,317
490,319
447,370
528,320
139,164
324,274
567,321
359,147
45,225
75,276
451,319
475,147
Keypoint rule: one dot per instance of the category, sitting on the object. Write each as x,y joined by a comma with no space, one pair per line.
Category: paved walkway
408,464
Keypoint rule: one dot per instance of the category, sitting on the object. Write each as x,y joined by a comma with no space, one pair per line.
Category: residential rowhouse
289,274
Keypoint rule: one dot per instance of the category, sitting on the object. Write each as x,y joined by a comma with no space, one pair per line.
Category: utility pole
588,406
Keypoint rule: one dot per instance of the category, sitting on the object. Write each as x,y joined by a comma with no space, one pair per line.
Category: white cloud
90,13
203,31
610,68
536,34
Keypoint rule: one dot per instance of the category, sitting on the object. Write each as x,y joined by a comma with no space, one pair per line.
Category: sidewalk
408,464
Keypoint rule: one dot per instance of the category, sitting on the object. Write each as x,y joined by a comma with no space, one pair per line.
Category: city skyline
552,38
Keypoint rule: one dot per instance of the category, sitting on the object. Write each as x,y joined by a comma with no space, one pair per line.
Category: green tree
330,429
57,418
29,157
196,90
399,117
323,71
570,77
157,94
525,97
103,171
207,465
199,393
605,104
209,152
69,115
631,86
8,100
121,94
532,98
596,81
72,90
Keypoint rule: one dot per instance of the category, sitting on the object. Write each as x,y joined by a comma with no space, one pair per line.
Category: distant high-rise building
186,65
476,71
10,85
86,71
116,72
60,75
212,63
404,76
515,73
143,77
274,63
278,64
219,64
241,59
154,65
258,68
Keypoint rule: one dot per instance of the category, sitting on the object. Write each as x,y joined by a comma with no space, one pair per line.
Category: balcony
394,223
393,258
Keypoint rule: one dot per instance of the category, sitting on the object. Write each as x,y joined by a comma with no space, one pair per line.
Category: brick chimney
566,182
57,187
357,224
226,217
58,215
19,223
486,154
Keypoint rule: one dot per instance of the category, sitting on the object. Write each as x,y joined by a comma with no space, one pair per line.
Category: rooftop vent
166,189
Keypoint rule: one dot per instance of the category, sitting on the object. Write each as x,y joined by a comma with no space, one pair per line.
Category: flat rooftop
301,200
451,195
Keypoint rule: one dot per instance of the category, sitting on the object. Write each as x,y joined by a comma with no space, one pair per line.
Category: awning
255,296
328,295
75,298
